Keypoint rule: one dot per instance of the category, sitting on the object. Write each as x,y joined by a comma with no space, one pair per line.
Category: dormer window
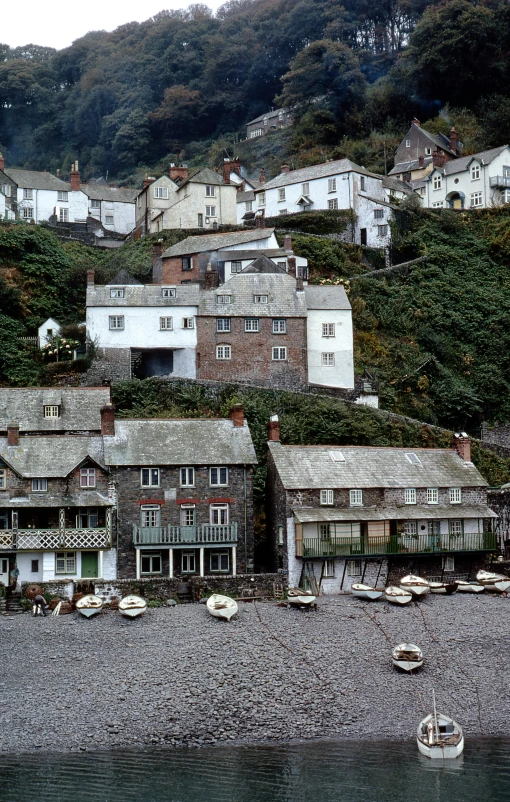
51,411
117,292
475,172
437,182
428,151
260,299
168,292
87,477
408,143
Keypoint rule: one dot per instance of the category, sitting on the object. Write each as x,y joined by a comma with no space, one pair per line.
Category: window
455,495
210,191
433,527
108,220
327,497
408,143
331,184
219,561
506,195
119,292
476,199
168,292
279,535
279,326
6,189
337,455
333,203
325,531
411,528
251,324
218,514
261,199
328,360
282,265
456,528
354,567
187,322
39,485
150,514
305,188
382,231
3,478
256,132
410,495
378,214
188,562
329,569
28,194
63,215
116,322
282,211
437,204
428,151
210,211
260,299
95,204
52,411
432,495
223,299
28,213
187,477
150,563
188,515
186,263
413,459
87,518
34,566
87,477
218,477
437,182
62,196
65,562
248,206
328,329
356,498
449,564
475,172
161,192
362,183
222,324
223,352
281,194
236,267
149,477
200,220
266,121
279,354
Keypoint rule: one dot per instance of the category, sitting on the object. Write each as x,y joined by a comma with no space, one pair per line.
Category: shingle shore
179,677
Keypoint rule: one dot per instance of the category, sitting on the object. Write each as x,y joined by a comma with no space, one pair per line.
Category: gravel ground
177,676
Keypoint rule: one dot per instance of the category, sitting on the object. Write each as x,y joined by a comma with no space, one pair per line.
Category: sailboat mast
435,715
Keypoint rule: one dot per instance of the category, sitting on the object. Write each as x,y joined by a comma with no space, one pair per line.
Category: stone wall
109,366
499,501
465,566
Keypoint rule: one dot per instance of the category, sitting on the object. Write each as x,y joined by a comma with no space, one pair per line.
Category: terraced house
339,515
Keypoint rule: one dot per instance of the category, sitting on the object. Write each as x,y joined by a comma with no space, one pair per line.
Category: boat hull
89,605
88,612
470,587
222,607
133,612
132,606
366,592
407,665
441,752
416,590
443,588
307,601
398,596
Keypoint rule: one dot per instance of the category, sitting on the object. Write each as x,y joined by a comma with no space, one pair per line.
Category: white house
329,337
39,195
47,330
333,185
479,181
114,207
149,328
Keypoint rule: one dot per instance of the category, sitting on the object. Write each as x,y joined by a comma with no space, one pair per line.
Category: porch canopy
412,512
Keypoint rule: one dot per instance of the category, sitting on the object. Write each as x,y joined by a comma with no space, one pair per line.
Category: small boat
365,591
132,606
398,595
443,587
415,584
89,605
300,597
407,656
469,587
495,582
439,736
221,606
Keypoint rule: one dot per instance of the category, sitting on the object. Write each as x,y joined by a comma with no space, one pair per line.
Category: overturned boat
89,605
222,606
443,587
407,656
495,582
439,736
398,595
132,606
469,587
366,591
415,584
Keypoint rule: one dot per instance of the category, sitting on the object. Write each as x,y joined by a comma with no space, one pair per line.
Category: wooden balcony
52,539
200,535
400,544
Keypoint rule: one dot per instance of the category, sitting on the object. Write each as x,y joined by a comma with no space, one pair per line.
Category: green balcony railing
175,535
399,544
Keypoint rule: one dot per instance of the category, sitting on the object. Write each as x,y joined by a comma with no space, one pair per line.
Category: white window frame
455,494
52,410
39,485
279,353
67,560
150,515
223,324
305,188
117,292
448,565
248,206
210,211
476,200
408,143
283,211
28,194
161,193
356,498
475,172
63,214
327,498
218,476
108,220
188,323
261,199
279,325
333,204
279,535
437,204
260,299
188,562
362,183
281,194
219,511
410,495
437,182
187,476
328,359
329,569
3,478
456,527
223,299
166,324
354,567
210,191
410,528
62,195
150,477
95,203
378,214
219,555
251,325
432,495
87,477
28,213
168,292
331,184
428,151
328,330
116,322
236,266
152,556
188,515
382,231
223,352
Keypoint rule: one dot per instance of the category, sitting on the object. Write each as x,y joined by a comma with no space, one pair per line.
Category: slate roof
395,183
269,115
51,456
179,442
79,408
143,295
248,195
85,498
105,193
204,176
283,300
262,264
33,179
124,278
411,164
316,171
318,297
459,165
410,512
302,467
241,256
213,242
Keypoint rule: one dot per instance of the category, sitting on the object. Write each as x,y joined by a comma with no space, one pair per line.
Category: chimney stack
287,242
462,444
420,161
178,174
415,121
230,166
291,261
212,278
90,278
75,178
285,168
237,415
108,419
299,284
259,219
454,140
147,181
262,176
13,434
273,429
438,159
2,161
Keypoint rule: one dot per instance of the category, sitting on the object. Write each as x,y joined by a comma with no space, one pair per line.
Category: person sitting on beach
39,603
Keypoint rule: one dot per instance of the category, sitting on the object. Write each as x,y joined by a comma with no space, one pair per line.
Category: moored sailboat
439,736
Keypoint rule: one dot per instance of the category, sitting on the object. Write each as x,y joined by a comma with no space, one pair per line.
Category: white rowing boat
407,656
415,584
221,606
443,587
365,592
439,736
469,587
132,606
89,605
397,595
495,582
300,597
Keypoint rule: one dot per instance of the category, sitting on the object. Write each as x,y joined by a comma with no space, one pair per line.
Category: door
457,203
363,236
89,564
4,570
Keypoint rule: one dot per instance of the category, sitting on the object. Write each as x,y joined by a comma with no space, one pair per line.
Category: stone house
344,514
270,121
184,495
420,150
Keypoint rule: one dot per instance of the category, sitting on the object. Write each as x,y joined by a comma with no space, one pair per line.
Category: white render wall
141,327
463,183
191,201
341,374
43,202
46,572
2,206
123,215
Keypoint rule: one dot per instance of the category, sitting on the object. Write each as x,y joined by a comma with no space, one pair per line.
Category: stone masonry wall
172,272
110,365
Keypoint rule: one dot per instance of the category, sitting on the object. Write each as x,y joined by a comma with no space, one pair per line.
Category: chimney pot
237,415
178,173
454,140
262,176
2,161
273,429
285,168
75,178
108,419
90,278
438,158
462,444
13,434
420,161
287,242
291,261
415,121
299,284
